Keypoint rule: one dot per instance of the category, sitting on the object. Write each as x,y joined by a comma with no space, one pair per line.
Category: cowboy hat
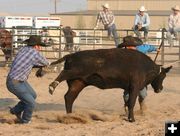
176,7
128,44
106,5
142,9
34,40
130,41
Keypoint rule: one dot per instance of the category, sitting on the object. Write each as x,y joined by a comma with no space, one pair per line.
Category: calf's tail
60,60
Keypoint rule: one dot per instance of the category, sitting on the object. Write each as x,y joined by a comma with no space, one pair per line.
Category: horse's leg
75,87
5,56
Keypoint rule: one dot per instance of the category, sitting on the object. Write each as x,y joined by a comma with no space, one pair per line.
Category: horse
6,43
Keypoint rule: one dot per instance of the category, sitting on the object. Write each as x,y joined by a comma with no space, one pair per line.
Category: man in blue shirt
135,43
25,60
142,22
144,48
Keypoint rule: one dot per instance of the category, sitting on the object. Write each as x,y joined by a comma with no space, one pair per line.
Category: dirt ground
96,112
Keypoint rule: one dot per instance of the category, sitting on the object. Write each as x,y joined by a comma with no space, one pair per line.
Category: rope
171,64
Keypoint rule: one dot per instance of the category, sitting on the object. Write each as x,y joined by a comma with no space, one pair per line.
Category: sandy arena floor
96,112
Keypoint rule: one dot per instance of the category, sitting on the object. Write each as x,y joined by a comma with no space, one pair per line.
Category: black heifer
109,68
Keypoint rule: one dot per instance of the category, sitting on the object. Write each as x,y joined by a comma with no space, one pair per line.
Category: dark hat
130,41
34,40
124,44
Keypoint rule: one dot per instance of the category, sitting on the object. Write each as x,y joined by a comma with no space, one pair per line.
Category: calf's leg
75,87
126,98
64,75
131,103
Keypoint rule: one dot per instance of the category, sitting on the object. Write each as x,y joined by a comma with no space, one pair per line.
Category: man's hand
139,26
40,73
95,27
158,50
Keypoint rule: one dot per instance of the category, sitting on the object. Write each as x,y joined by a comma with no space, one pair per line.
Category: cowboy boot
142,104
18,115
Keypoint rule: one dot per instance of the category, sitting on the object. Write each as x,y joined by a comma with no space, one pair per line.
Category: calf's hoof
51,90
131,120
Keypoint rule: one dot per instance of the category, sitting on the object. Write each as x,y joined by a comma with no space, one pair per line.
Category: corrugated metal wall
122,22
133,4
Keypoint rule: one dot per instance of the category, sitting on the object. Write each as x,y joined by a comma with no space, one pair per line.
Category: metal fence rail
85,39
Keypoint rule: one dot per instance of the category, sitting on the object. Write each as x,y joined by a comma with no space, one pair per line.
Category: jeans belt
16,81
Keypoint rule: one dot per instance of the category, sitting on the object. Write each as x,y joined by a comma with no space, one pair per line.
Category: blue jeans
142,94
26,95
172,32
144,29
112,30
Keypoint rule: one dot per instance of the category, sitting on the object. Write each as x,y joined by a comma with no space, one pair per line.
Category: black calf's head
157,83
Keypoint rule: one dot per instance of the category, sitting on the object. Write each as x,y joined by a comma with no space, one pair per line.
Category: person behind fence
135,43
141,23
173,24
44,34
69,35
107,18
27,57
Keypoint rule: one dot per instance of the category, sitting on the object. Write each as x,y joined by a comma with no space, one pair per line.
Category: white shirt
143,20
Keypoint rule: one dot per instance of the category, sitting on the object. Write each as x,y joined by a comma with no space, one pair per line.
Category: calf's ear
168,69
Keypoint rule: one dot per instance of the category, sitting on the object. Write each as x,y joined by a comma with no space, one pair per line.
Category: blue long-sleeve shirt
144,20
145,48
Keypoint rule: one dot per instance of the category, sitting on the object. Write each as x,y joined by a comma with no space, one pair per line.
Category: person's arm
147,21
98,20
177,24
112,19
73,33
136,20
151,48
145,48
40,60
170,22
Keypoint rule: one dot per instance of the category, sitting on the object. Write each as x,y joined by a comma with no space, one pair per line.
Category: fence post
60,51
94,39
179,43
162,51
12,48
127,32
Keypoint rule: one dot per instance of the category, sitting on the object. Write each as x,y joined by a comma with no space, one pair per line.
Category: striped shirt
107,18
22,65
174,21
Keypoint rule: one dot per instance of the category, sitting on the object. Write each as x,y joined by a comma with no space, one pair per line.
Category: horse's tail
60,60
